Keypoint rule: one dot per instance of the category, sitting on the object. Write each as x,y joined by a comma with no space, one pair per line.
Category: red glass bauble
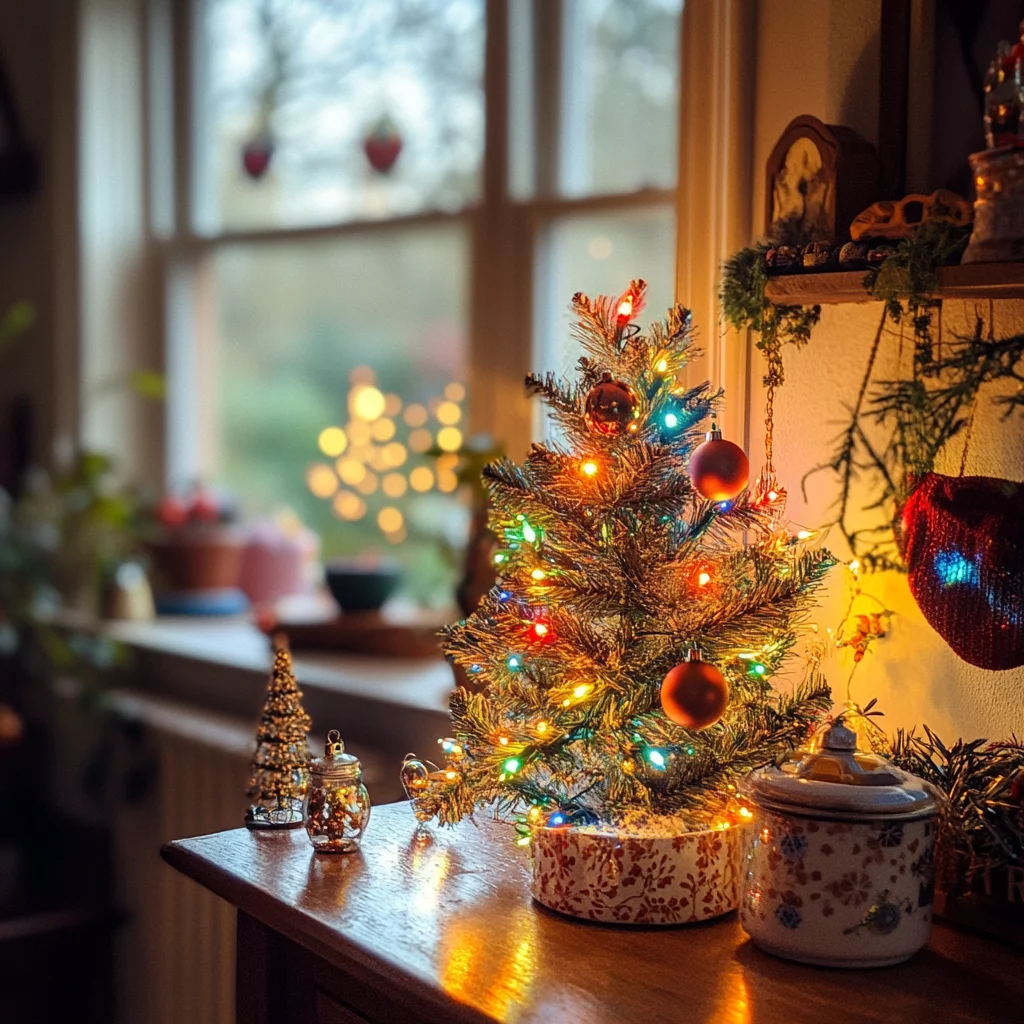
694,694
611,407
383,145
718,468
256,156
962,539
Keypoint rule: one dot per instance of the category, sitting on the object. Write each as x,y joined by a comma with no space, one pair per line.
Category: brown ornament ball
718,468
694,694
612,407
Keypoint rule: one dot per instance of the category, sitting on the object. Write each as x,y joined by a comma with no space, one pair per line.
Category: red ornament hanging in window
382,145
256,154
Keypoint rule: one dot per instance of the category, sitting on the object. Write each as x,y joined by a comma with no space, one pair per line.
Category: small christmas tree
280,766
593,705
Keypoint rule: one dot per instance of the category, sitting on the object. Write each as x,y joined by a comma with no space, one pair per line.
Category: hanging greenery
918,413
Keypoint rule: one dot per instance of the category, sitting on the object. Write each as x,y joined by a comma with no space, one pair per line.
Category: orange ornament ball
718,468
694,694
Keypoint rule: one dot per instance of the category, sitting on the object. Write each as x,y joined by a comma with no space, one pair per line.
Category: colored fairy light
704,579
803,534
855,566
538,574
746,813
661,365
656,758
773,495
332,441
449,775
541,629
533,813
625,310
474,669
725,505
511,766
514,662
523,841
503,740
589,468
542,727
500,557
671,419
504,595
556,819
582,690
758,669
529,533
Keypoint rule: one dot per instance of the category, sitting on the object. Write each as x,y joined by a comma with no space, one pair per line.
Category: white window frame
506,238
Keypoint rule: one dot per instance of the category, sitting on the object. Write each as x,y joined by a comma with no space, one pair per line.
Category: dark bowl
359,586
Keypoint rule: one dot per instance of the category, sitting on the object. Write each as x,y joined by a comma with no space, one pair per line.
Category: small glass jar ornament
838,858
337,807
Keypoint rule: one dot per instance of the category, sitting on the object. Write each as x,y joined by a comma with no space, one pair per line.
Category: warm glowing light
389,519
449,439
351,471
523,841
566,702
499,558
625,309
803,534
772,495
581,691
420,440
349,506
447,481
394,453
855,566
661,365
627,767
421,479
415,415
448,412
455,392
589,468
358,433
365,402
704,579
368,484
541,629
533,813
449,775
542,727
671,419
746,813
538,574
383,430
332,441
503,740
392,405
393,485
321,480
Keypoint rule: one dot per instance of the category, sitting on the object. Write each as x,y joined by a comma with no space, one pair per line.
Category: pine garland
605,543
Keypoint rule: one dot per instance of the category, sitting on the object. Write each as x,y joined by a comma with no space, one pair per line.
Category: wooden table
438,925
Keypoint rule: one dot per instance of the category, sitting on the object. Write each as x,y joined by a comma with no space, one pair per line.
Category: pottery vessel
621,879
838,858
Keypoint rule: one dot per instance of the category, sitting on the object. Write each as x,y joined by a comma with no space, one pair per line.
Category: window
387,209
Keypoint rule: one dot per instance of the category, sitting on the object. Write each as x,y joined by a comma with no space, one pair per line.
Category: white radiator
177,951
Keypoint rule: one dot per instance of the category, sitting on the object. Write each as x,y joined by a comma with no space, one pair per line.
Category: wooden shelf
972,281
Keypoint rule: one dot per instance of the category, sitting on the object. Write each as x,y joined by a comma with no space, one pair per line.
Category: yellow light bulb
421,479
332,441
448,412
383,430
395,453
626,306
352,471
704,579
582,690
542,727
321,481
661,366
449,439
803,534
503,740
365,402
390,519
449,775
393,485
538,574
447,481
349,506
589,468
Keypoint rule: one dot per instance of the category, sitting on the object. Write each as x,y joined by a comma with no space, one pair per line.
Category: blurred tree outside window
335,187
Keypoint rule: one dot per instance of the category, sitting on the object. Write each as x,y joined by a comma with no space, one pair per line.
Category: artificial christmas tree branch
611,567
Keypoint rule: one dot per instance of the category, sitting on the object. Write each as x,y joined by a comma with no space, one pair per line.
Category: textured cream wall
821,57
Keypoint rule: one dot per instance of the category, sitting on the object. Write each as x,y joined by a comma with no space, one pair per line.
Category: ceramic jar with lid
838,858
337,806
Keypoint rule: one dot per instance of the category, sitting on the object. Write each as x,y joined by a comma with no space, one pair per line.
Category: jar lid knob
839,737
334,746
